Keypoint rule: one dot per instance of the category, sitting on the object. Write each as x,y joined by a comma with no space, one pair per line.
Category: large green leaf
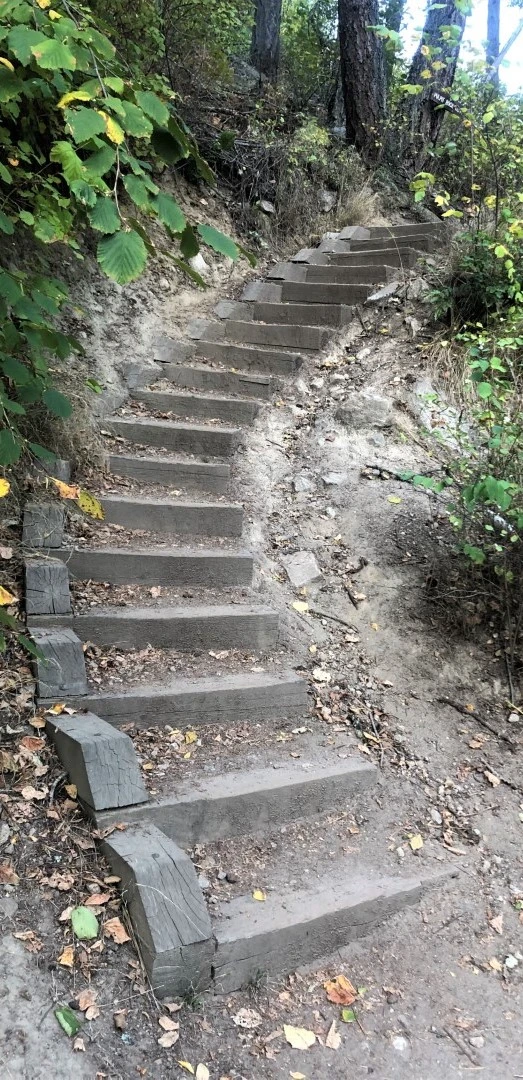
122,256
99,163
21,40
136,188
169,212
6,225
10,448
53,55
167,147
135,121
84,923
189,245
16,371
84,123
57,403
66,156
104,217
154,108
10,85
83,192
218,241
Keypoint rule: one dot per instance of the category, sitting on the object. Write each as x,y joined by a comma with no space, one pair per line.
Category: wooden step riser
187,475
335,275
211,519
406,257
170,569
288,337
227,699
313,293
199,406
218,442
394,232
214,379
264,360
419,243
331,315
235,627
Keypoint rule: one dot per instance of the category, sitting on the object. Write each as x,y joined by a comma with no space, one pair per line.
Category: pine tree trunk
265,44
493,36
363,77
426,117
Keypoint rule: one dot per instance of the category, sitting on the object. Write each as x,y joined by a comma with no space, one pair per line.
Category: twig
360,318
509,675
483,723
461,1045
334,618
508,783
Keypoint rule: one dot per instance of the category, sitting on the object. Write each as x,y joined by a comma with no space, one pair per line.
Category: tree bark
265,44
492,51
363,77
442,33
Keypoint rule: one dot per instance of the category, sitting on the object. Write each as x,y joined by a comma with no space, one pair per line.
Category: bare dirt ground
439,986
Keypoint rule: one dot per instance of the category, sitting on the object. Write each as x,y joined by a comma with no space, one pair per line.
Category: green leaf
6,225
41,452
10,448
9,288
84,923
16,371
84,123
104,217
348,1016
99,163
135,121
167,147
136,188
21,40
251,259
72,167
218,241
484,390
154,108
188,270
189,245
11,86
68,1020
169,212
13,407
53,55
83,192
57,403
123,256
26,216
100,43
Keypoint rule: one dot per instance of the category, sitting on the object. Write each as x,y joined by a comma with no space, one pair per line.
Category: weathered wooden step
296,926
226,626
291,337
243,356
202,377
167,516
232,410
193,438
418,242
406,256
214,808
313,293
177,472
151,566
234,699
325,272
396,232
334,315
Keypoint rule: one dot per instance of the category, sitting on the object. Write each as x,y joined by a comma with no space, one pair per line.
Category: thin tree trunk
492,51
265,44
363,77
443,33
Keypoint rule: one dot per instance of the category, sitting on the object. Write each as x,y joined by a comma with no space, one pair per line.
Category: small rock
231,878
436,816
222,876
328,200
266,206
477,1041
511,962
402,1045
365,408
303,483
330,512
203,882
4,833
318,384
334,478
197,262
302,568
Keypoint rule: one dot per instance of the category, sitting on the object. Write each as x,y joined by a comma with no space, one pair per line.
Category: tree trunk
492,51
442,33
363,76
265,44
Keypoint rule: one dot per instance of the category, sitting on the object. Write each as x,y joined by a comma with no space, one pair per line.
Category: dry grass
358,207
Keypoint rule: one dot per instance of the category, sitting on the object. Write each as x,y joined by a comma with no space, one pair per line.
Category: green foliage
309,41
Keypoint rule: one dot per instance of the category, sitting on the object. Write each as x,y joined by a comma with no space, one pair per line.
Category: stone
436,816
383,294
100,760
59,468
303,483
46,587
266,206
167,908
43,525
198,263
328,200
333,479
60,665
365,408
302,568
478,1041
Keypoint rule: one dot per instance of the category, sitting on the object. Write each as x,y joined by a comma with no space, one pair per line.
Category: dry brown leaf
202,1072
497,924
299,1038
168,1039
97,899
32,743
86,998
31,941
29,792
172,1006
120,1019
247,1018
72,790
495,964
79,1044
66,959
167,1024
115,929
61,881
8,874
340,991
333,1037
92,1012
492,778
65,915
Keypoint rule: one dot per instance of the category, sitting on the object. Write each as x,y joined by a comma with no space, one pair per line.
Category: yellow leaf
469,707
313,649
54,15
6,597
43,4
297,1076
374,626
7,63
66,959
300,605
299,1038
259,894
67,491
75,95
425,51
57,709
437,65
495,964
112,129
394,499
190,736
426,74
187,1066
5,488
90,505
416,842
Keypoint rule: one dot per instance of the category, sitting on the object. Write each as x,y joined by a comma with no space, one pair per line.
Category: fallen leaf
259,894
86,999
300,605
67,1020
65,915
61,881
114,928
120,1019
79,1044
32,743
29,792
202,1072
167,1024
340,990
57,709
168,1039
394,499
497,924
66,959
477,743
190,736
32,943
299,1038
297,1076
333,1037
416,842
6,597
6,553
495,964
187,1066
348,1016
172,1006
319,675
67,491
5,486
247,1018
8,874
92,1013
90,505
492,778
71,790
84,923
97,899
470,707
374,626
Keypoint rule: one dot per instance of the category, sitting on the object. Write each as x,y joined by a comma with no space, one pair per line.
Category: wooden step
232,410
229,699
334,315
177,472
418,242
245,357
191,438
396,232
290,337
325,272
314,293
404,256
202,377
167,516
253,801
149,566
227,626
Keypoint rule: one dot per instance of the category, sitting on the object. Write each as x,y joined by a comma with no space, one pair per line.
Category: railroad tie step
343,256
419,243
225,626
192,567
242,356
291,337
333,315
206,406
202,377
191,438
168,516
323,293
176,472
249,802
393,232
326,272
231,699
